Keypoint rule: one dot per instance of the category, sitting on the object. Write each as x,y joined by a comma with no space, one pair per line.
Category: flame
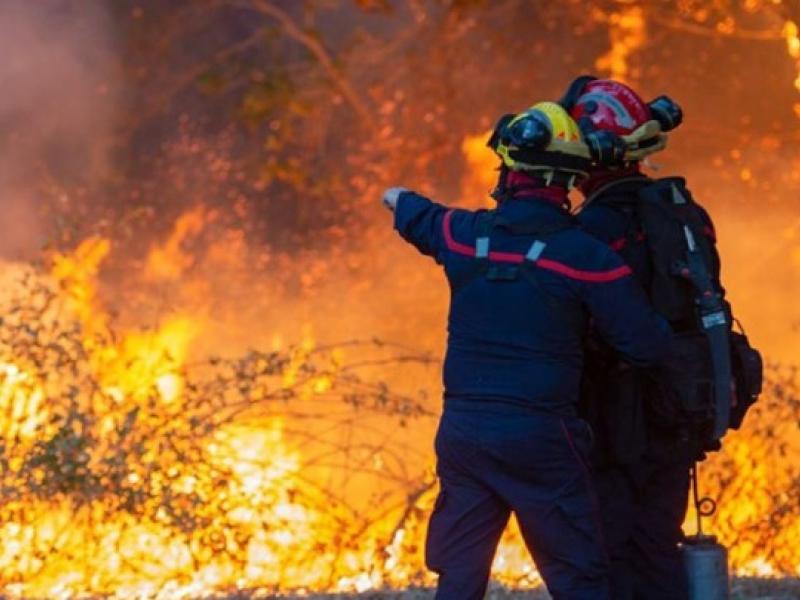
76,272
482,165
143,558
790,34
21,401
102,506
627,33
170,259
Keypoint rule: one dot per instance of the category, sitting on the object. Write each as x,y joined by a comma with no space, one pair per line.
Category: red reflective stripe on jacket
450,242
544,263
466,250
592,276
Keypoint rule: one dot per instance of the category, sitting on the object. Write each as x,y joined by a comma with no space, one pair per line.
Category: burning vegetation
180,411
125,468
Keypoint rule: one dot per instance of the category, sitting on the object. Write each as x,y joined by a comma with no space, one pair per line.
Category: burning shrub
125,470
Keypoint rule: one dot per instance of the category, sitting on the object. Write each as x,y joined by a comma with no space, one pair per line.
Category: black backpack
692,391
715,374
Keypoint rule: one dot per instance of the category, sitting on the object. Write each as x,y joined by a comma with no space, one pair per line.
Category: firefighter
525,282
646,443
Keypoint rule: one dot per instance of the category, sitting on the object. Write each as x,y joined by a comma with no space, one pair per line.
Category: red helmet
617,125
611,106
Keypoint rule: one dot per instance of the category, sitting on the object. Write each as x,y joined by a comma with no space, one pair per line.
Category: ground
741,589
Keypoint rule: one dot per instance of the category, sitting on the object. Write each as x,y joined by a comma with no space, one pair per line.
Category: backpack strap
535,251
670,212
486,224
480,265
712,315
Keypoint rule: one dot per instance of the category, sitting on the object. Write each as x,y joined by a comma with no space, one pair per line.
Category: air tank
706,564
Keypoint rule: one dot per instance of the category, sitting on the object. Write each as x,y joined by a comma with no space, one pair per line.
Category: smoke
56,111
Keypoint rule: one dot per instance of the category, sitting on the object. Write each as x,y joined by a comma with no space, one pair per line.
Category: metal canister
706,564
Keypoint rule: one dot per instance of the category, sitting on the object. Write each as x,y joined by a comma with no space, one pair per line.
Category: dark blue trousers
644,505
535,465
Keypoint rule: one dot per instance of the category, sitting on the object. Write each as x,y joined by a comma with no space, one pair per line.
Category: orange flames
129,469
626,31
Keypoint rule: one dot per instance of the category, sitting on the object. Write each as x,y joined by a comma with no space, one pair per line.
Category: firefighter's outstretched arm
417,219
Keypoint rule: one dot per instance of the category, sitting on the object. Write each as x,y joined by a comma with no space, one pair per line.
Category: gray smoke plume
56,111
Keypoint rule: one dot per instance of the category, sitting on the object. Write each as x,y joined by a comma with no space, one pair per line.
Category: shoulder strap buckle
482,247
535,251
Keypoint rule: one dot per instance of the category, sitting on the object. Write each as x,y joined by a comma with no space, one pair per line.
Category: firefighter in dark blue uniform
642,464
525,283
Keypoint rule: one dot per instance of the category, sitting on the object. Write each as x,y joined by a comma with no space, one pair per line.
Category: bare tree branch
178,84
313,45
678,24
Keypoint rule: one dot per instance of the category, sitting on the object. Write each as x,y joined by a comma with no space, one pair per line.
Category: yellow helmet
545,140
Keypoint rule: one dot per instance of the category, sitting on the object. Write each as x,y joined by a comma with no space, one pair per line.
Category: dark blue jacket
516,327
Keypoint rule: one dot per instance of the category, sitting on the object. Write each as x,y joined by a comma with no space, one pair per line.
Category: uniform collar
531,208
522,184
621,186
600,179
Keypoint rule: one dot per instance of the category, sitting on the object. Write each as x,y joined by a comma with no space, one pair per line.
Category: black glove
605,147
667,112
